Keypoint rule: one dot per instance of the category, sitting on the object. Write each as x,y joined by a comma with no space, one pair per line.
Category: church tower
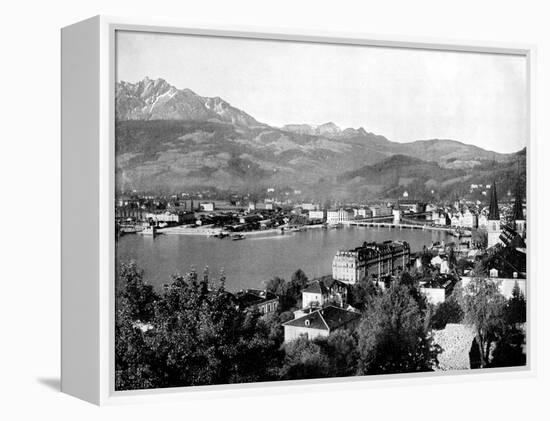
519,219
493,221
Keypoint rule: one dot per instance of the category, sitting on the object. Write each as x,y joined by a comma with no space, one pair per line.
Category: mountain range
172,139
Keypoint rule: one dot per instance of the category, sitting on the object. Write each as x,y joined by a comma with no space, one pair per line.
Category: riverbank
210,231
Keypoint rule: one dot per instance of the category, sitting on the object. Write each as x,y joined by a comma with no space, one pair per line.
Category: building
317,214
441,263
320,323
261,300
377,259
363,213
411,206
438,290
315,295
468,219
319,293
309,206
493,220
482,221
166,217
207,207
339,216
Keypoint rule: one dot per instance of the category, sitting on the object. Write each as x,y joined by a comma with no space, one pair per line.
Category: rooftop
250,297
328,318
316,287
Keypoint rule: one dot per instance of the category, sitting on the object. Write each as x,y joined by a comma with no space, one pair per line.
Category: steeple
518,204
493,204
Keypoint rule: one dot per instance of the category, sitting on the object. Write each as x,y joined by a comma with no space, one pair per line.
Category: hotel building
351,266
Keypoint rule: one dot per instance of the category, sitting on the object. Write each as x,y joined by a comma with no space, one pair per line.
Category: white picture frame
88,268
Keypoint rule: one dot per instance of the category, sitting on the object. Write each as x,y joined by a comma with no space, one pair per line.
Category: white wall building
339,216
208,206
317,214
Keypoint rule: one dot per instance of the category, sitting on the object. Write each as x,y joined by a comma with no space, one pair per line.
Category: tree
463,265
304,359
392,335
196,336
299,280
516,307
140,297
360,293
483,308
508,350
340,348
276,285
133,369
448,311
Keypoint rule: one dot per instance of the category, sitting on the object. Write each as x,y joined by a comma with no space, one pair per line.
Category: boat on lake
149,230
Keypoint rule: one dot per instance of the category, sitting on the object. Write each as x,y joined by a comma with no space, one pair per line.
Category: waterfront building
363,213
350,266
320,322
339,216
317,214
166,217
493,220
411,206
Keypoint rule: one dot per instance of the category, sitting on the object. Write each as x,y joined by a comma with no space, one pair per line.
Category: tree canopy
393,337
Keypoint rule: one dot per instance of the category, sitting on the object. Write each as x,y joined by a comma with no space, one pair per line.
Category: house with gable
321,322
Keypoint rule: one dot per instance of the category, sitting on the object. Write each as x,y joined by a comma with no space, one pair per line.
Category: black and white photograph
290,210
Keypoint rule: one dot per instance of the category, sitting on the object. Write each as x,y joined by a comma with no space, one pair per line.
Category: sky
402,94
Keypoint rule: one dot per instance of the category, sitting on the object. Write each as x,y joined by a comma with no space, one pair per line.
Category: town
204,213
487,253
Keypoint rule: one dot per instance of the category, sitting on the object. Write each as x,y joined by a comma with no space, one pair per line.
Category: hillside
172,139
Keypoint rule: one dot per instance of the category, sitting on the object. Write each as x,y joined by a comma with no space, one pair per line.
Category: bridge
397,216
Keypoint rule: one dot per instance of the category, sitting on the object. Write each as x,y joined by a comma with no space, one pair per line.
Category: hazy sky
403,94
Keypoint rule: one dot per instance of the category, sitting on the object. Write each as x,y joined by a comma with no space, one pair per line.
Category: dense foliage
193,332
197,336
393,337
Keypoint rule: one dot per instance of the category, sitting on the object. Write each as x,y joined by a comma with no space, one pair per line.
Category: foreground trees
193,332
498,323
393,337
483,308
196,335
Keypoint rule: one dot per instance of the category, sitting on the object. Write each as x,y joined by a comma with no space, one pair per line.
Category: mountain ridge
171,138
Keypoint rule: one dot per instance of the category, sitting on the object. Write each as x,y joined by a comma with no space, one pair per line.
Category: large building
317,214
351,266
339,216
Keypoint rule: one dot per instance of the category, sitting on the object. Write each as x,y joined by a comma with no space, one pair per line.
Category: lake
249,263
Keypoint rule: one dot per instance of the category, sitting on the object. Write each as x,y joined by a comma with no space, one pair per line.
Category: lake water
249,263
